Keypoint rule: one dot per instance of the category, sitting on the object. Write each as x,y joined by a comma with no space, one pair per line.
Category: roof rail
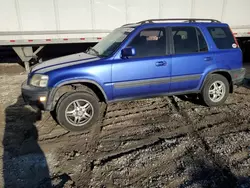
178,19
131,24
127,24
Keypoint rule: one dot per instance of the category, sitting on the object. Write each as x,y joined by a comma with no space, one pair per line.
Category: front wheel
215,90
78,111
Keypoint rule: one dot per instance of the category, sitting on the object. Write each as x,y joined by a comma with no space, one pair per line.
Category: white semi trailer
26,25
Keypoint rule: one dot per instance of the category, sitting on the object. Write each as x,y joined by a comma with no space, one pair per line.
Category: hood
64,61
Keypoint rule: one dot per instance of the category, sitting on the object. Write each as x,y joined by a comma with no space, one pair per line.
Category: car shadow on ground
193,98
246,83
24,163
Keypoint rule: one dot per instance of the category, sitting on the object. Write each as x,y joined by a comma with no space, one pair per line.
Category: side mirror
128,51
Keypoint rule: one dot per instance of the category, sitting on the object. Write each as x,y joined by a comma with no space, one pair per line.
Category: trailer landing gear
26,54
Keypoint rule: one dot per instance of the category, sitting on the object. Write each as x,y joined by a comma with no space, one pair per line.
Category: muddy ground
159,142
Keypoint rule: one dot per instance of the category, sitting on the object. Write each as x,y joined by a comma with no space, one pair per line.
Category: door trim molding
153,96
141,82
128,84
186,78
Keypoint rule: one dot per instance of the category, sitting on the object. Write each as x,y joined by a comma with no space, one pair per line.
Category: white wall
40,15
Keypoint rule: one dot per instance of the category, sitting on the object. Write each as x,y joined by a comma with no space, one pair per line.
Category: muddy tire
78,111
215,90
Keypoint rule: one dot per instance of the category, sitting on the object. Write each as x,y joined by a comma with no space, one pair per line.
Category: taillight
235,40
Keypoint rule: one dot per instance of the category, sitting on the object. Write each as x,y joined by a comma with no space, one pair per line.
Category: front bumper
31,96
238,76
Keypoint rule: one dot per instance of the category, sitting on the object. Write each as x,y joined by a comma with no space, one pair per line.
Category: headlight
39,80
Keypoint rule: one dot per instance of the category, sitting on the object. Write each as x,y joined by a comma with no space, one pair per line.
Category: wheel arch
75,85
223,72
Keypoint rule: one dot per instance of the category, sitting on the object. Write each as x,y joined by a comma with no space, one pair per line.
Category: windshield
110,43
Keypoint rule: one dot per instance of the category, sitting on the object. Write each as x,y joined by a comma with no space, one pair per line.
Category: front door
191,58
148,72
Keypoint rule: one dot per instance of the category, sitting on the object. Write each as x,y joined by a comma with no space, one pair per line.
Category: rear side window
202,43
188,40
222,36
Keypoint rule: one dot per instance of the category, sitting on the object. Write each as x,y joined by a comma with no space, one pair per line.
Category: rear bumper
238,76
31,96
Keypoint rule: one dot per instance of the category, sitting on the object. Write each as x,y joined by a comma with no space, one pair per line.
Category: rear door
191,58
228,54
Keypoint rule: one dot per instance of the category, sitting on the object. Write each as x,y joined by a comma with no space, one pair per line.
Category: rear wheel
215,90
78,111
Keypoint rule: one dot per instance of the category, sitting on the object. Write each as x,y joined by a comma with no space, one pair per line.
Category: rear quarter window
222,37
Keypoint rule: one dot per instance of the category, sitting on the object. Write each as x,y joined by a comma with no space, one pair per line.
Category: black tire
70,97
205,90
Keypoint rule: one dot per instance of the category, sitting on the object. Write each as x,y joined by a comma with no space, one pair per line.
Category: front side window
188,40
110,43
222,37
150,43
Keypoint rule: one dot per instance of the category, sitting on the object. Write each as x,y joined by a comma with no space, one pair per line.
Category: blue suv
151,58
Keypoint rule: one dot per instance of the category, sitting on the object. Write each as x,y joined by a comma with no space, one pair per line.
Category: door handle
208,59
161,63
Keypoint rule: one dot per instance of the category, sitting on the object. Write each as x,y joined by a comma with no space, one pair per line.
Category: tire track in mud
93,145
154,136
85,177
121,115
118,117
195,133
138,123
131,105
141,144
114,121
158,159
85,171
142,141
218,161
222,121
167,165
